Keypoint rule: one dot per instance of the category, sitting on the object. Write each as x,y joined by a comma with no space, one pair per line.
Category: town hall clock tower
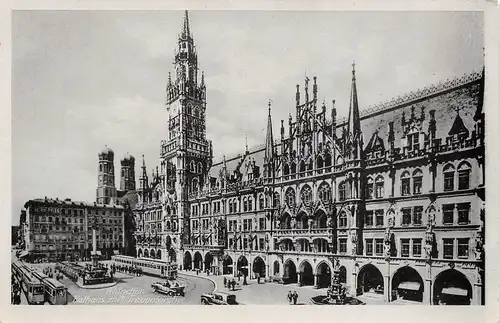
186,155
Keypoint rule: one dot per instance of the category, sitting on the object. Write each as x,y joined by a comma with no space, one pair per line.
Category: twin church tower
106,189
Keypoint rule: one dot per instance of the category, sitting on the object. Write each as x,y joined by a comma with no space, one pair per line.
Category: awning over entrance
23,254
454,291
409,286
116,252
96,253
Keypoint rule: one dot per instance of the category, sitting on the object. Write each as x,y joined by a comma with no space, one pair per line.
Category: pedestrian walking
295,297
225,282
258,278
290,296
233,283
239,275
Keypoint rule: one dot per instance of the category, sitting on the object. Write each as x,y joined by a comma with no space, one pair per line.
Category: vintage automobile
170,288
218,298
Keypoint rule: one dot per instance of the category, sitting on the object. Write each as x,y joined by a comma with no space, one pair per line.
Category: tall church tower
354,164
186,155
127,179
106,190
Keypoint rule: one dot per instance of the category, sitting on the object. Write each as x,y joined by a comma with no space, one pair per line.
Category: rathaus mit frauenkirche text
391,197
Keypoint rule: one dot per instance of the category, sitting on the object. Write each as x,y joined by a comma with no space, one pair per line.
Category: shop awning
454,291
96,253
23,254
116,252
409,286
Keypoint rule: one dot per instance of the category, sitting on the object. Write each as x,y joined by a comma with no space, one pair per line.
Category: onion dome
106,152
128,158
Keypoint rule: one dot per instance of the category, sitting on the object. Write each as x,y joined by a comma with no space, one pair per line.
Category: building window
342,245
405,184
417,215
463,248
369,218
290,197
413,143
369,247
448,213
306,195
448,248
262,224
379,218
463,176
379,187
369,189
325,193
261,244
449,178
342,220
245,243
417,182
231,243
406,220
342,191
405,247
417,247
463,213
379,247
261,202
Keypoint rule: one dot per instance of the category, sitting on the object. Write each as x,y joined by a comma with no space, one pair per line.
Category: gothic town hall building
391,197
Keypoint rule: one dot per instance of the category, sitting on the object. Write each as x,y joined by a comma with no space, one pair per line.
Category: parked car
170,288
218,298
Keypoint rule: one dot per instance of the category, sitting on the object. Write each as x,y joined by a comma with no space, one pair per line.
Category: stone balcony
306,233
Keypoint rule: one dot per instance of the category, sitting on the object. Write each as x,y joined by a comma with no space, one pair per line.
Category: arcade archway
198,259
158,254
451,287
259,267
276,268
227,265
172,255
242,266
209,260
324,275
306,274
407,284
139,253
146,253
152,254
289,272
343,275
188,261
370,279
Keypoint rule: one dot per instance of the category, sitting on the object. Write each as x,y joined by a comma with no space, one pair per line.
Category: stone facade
391,196
61,229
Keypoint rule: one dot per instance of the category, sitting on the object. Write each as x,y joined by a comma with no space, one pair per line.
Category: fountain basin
324,300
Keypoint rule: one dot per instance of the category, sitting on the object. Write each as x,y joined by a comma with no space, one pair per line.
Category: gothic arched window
405,183
325,193
276,199
261,202
449,178
379,187
306,195
369,188
417,181
464,171
342,220
343,191
290,197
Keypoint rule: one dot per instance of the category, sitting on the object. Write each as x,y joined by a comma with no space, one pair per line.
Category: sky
83,80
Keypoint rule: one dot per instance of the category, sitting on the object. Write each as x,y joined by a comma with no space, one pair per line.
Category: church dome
128,157
106,151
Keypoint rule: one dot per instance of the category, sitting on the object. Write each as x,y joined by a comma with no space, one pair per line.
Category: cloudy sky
85,79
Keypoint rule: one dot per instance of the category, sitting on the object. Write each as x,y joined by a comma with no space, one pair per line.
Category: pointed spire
246,143
269,154
353,125
185,28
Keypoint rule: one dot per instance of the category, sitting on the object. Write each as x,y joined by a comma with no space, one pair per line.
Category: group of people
230,284
132,270
292,297
15,291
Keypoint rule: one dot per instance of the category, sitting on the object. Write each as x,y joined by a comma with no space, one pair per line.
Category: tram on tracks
152,267
55,292
32,287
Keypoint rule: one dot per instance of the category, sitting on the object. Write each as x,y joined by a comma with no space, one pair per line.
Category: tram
153,267
32,287
55,292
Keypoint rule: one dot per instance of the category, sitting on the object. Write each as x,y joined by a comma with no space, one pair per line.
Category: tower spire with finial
269,153
185,28
354,124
